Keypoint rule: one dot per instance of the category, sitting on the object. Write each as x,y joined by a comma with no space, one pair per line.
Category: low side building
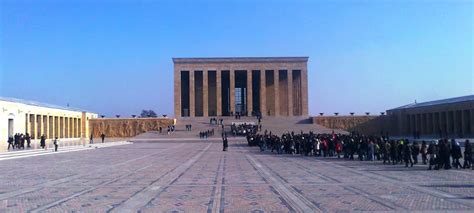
37,119
453,117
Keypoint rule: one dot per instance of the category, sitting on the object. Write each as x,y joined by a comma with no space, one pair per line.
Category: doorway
10,127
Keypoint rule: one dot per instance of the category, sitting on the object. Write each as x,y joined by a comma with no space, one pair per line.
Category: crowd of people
18,141
242,129
206,134
439,154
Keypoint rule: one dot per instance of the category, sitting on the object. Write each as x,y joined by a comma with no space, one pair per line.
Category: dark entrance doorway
241,92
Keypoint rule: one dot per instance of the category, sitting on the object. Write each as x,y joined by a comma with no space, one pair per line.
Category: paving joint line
141,199
296,200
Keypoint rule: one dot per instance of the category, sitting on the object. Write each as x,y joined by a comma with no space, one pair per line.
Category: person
225,143
433,152
444,154
43,142
424,152
28,140
103,137
415,152
10,142
456,153
91,139
467,155
407,153
55,142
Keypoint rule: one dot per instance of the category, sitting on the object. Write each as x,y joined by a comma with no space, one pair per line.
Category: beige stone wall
361,124
127,127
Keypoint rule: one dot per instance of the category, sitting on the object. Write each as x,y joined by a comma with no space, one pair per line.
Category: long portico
272,86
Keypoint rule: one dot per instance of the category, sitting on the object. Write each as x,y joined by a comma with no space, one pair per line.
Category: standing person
407,154
55,142
43,142
103,137
28,140
424,152
225,143
91,139
433,152
415,152
467,155
10,142
456,153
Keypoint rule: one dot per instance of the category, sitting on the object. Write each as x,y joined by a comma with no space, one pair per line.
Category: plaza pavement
196,176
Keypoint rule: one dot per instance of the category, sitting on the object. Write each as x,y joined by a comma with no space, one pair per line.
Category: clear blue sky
114,57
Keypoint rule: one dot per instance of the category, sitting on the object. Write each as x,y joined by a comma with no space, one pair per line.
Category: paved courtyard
196,176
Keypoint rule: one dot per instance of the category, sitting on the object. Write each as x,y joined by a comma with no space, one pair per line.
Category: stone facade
37,119
127,127
273,86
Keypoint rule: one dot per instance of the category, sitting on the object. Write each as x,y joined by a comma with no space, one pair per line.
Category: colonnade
53,126
459,122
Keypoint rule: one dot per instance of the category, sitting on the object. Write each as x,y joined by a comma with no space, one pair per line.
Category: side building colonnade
452,117
37,119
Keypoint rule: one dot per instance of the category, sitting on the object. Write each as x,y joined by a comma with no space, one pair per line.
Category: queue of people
439,154
18,141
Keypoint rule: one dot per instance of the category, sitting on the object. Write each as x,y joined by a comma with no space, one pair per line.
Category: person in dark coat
415,151
56,144
103,137
444,154
10,142
28,140
225,144
467,155
407,154
456,154
43,142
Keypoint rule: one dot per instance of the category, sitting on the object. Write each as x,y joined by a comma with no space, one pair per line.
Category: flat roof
240,59
437,102
38,104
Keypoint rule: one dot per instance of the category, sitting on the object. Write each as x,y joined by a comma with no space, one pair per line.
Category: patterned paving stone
188,177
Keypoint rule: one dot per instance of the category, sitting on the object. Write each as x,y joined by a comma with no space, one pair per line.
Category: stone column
218,92
177,92
263,93
28,125
472,122
205,93
33,128
53,127
455,123
192,95
45,128
40,125
66,127
276,86
463,123
304,91
232,90
290,92
249,93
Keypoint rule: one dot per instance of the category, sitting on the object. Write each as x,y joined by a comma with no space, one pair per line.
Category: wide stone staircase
277,125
